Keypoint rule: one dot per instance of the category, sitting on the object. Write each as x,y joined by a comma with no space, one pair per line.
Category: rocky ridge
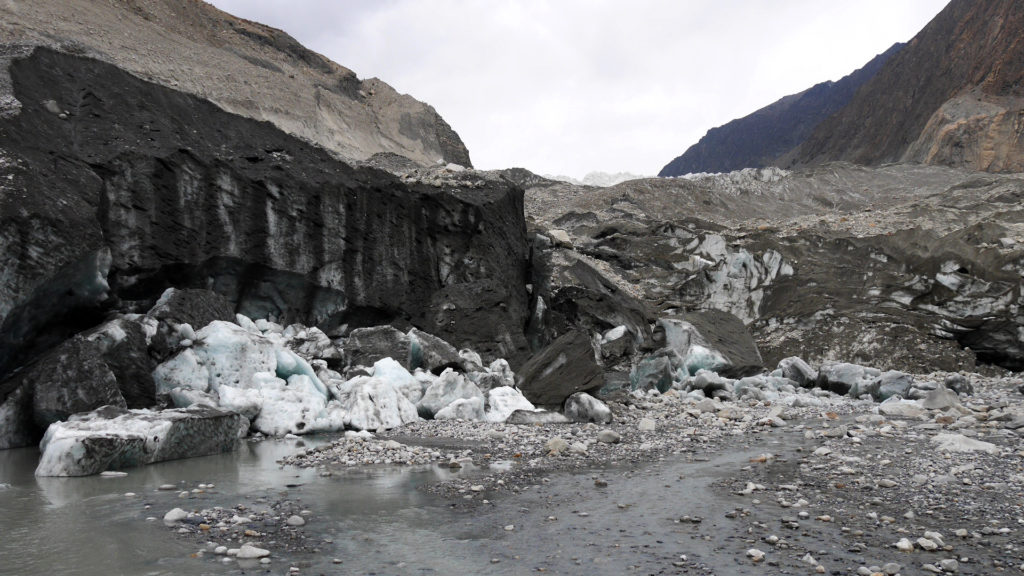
962,74
764,137
243,67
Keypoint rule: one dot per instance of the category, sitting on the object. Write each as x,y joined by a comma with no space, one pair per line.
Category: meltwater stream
373,520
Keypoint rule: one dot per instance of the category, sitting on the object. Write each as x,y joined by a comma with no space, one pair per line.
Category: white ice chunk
374,403
503,401
463,409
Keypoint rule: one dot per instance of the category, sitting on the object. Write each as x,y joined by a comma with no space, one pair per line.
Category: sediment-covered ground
808,483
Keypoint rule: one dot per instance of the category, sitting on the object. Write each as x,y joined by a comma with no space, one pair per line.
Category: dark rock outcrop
563,368
761,138
953,97
138,188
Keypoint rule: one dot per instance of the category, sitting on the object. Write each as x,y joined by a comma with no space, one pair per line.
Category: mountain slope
757,140
953,96
244,67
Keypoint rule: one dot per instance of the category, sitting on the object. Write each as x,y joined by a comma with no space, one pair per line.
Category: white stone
175,515
250,552
961,443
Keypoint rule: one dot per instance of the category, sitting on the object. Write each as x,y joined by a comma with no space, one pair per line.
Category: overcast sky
573,86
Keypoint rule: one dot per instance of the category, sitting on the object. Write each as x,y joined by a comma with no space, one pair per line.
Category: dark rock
760,139
432,353
364,346
891,383
195,307
960,384
798,371
692,335
127,355
112,439
577,295
70,379
17,428
565,367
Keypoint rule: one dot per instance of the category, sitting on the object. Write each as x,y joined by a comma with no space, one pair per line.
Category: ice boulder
112,438
463,409
233,355
373,403
582,407
503,401
798,371
391,371
183,370
845,378
297,406
291,364
451,386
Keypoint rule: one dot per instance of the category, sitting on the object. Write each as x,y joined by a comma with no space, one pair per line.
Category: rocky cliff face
760,139
246,68
907,267
952,97
113,188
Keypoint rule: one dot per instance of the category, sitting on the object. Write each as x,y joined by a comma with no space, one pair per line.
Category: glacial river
374,521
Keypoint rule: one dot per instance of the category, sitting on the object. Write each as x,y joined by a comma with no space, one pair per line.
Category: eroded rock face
903,267
137,188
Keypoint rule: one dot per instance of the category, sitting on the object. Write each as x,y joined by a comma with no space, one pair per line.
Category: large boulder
846,378
113,439
570,293
72,378
431,353
364,346
193,306
563,368
711,340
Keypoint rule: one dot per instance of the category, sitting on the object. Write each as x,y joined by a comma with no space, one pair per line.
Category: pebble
250,552
904,545
755,554
175,515
609,436
646,425
295,520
